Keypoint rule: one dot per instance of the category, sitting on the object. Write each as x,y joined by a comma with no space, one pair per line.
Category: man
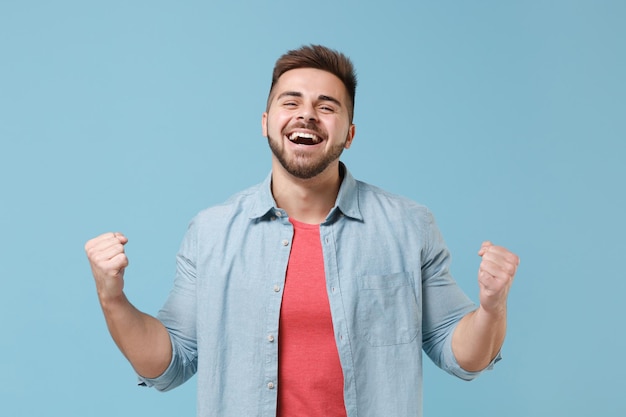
311,294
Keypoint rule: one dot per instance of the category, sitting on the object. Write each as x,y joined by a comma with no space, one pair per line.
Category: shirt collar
347,202
348,197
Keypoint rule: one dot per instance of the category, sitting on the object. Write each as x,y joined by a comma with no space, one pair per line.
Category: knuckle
92,254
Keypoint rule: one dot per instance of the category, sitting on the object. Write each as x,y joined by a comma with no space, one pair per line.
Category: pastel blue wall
506,118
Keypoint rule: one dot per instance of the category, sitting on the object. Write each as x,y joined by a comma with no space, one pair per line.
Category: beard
304,165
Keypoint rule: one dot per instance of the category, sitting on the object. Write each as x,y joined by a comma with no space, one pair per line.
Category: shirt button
285,242
279,214
276,288
270,385
270,338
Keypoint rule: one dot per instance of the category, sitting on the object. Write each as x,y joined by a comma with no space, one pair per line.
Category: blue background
506,118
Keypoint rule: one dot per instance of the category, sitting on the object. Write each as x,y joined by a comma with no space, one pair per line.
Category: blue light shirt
389,287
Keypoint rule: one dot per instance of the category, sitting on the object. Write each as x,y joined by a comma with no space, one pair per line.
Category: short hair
322,58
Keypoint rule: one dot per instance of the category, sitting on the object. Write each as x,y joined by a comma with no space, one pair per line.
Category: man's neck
307,201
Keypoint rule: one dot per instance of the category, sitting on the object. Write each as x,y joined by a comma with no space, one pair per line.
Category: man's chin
305,166
303,173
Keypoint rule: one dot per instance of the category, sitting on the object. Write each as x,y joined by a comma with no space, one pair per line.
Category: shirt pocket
387,309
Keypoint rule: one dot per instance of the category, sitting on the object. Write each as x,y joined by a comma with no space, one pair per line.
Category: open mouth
302,138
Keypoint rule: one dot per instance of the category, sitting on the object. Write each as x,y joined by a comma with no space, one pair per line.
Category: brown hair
322,58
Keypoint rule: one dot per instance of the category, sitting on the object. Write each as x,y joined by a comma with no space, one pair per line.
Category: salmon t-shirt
310,379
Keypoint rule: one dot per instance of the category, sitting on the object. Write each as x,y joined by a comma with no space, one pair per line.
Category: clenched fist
108,261
495,276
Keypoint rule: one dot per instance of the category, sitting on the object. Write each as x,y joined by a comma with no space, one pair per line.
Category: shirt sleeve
444,304
455,369
178,315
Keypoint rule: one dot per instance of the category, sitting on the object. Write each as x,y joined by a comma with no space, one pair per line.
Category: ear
264,123
350,138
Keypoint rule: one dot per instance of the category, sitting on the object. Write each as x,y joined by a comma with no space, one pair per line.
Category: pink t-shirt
310,380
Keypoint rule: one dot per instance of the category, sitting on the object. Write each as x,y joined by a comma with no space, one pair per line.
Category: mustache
312,126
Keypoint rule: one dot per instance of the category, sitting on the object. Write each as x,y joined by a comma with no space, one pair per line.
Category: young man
311,294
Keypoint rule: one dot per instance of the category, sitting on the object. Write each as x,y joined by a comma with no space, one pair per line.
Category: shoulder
220,223
373,200
237,206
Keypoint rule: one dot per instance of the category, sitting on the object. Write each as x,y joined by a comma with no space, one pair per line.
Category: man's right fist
108,261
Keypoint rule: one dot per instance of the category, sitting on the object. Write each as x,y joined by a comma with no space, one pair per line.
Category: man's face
307,123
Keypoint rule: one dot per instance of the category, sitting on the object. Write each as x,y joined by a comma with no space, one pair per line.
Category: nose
307,113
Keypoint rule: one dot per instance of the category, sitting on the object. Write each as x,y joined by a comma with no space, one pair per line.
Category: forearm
478,338
143,339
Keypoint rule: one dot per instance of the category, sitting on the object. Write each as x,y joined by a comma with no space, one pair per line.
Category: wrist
493,313
112,303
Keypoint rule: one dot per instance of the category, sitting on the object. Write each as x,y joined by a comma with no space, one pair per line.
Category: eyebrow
321,97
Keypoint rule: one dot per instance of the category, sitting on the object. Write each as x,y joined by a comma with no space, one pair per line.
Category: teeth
296,135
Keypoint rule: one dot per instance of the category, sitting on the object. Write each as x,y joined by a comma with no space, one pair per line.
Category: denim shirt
389,287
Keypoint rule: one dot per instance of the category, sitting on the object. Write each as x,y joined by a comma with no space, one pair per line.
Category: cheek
275,123
342,133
